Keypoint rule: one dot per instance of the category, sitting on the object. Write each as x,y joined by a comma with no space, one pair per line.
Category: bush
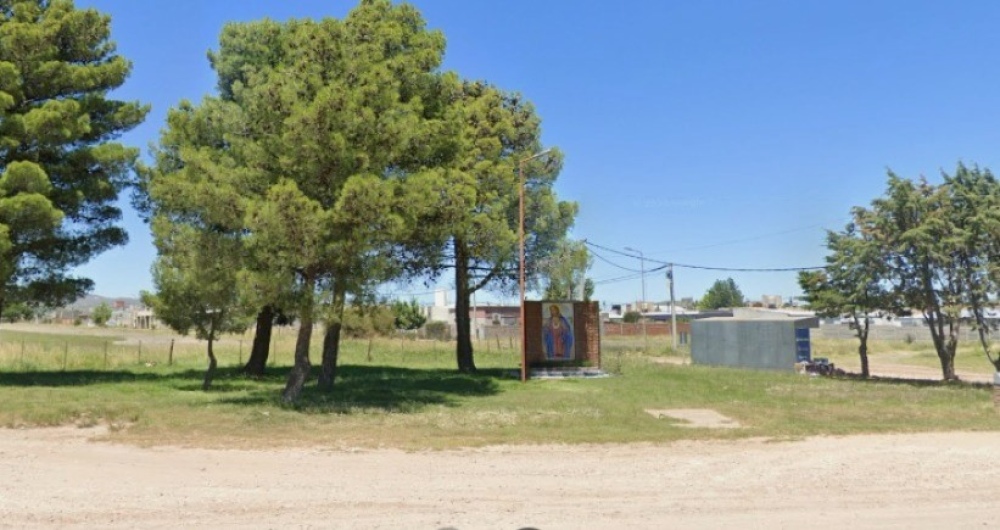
632,317
408,316
364,322
437,330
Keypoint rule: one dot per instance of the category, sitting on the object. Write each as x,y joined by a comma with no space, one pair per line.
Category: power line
699,267
613,264
744,240
616,280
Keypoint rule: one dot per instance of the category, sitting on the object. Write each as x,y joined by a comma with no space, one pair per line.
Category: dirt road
57,478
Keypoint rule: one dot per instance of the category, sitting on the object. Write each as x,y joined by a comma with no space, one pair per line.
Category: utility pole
642,269
673,307
520,269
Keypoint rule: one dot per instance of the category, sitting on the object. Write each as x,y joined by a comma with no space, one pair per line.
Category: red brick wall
613,329
586,333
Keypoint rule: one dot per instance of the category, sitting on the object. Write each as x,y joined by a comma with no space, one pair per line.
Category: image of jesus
557,334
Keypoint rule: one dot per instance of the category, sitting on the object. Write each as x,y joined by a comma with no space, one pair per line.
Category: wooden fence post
170,356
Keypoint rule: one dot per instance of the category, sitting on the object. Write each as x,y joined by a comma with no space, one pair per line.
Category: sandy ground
57,478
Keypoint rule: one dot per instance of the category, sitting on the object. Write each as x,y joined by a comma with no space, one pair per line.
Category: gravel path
57,478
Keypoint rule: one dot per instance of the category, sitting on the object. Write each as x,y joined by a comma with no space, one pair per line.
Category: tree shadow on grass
83,377
227,379
360,389
917,383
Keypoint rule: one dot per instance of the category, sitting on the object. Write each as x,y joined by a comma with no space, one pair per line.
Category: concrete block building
765,340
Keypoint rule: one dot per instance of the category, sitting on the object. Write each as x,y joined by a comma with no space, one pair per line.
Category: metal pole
673,307
520,276
642,272
521,270
642,268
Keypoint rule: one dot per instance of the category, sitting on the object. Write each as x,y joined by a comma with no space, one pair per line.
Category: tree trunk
212,364
257,363
862,335
945,348
463,296
863,348
947,366
331,342
300,371
948,363
983,330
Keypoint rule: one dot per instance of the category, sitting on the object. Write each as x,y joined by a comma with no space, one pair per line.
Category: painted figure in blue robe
558,336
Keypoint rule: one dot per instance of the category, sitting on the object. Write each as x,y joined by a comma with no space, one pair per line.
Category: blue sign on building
802,351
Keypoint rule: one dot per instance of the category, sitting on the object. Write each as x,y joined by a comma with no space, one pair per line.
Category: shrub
437,330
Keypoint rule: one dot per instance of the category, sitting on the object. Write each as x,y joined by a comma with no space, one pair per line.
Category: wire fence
56,347
889,333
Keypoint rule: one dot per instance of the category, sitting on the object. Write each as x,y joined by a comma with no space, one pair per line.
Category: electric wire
697,267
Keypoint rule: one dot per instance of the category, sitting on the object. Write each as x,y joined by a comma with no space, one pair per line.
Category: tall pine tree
60,169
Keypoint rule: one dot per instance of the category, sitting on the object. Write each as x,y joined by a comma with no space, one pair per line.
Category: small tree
18,312
722,293
367,321
974,241
852,284
913,226
437,330
408,315
195,287
631,317
102,314
565,272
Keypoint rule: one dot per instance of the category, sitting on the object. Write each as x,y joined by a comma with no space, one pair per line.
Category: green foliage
437,330
60,171
18,312
196,289
364,322
939,246
853,283
498,136
565,271
631,317
408,315
340,157
722,294
318,155
930,248
102,314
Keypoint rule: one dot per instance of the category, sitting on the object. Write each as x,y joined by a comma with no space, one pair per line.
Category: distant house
125,313
485,320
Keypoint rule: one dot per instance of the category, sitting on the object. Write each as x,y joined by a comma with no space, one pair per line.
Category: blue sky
721,133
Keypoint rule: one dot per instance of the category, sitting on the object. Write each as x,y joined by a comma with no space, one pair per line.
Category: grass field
405,393
844,352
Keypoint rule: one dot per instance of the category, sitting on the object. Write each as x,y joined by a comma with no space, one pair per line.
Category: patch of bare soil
57,478
892,365
696,418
